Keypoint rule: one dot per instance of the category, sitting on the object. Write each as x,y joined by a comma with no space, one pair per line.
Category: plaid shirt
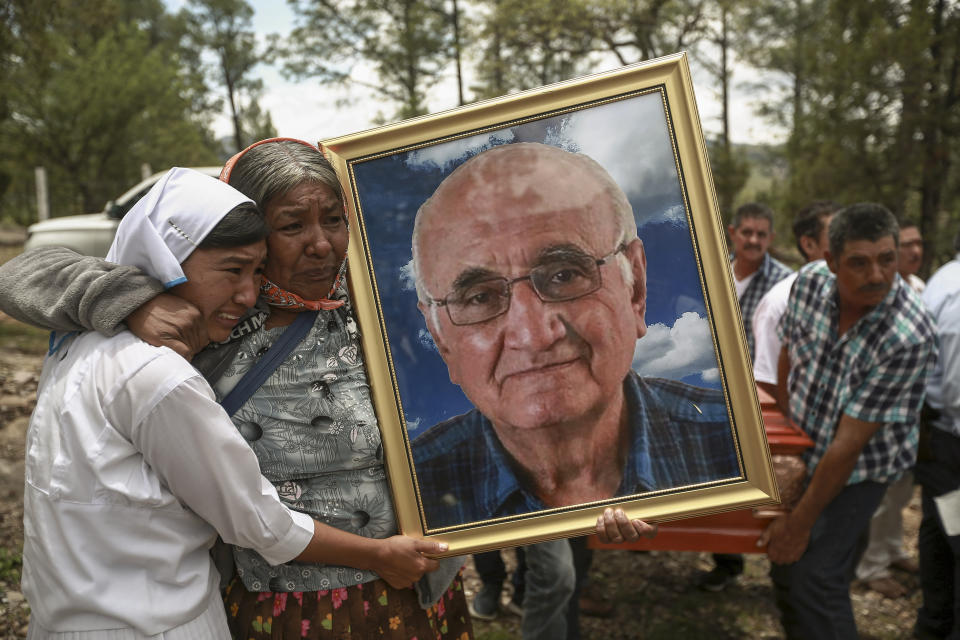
680,436
771,272
875,372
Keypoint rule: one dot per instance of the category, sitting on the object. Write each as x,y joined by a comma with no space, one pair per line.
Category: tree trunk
726,197
234,112
457,51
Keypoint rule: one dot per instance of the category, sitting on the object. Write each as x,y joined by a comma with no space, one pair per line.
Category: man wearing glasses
532,281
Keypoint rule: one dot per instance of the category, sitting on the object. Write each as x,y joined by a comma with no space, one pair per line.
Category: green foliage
715,54
11,563
636,30
532,43
495,635
868,89
406,44
256,123
875,104
529,43
730,173
91,92
25,339
223,28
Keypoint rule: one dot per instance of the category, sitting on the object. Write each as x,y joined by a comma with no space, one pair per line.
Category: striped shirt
875,372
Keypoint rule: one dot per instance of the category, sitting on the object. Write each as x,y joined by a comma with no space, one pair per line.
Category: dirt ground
654,592
18,386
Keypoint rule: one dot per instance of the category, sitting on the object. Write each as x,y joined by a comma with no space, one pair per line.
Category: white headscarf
167,224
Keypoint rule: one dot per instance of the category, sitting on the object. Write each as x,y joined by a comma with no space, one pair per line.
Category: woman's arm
189,441
399,560
57,289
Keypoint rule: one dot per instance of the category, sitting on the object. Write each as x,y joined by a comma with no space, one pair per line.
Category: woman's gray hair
274,168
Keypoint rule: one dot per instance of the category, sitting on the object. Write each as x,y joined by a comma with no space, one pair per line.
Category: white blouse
128,459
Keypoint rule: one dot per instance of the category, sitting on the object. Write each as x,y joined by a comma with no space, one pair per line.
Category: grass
494,635
14,335
9,251
10,565
17,336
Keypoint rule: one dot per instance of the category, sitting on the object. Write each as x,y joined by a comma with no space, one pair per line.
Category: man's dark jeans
813,594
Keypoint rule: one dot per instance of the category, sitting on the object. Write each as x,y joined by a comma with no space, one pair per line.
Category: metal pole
43,200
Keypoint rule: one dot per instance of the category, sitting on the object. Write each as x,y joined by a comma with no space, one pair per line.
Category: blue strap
266,365
56,344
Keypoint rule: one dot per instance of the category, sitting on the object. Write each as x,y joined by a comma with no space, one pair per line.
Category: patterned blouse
314,431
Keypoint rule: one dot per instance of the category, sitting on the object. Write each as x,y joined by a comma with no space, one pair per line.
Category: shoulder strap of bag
261,370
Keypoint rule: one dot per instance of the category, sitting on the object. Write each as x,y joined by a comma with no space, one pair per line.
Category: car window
120,209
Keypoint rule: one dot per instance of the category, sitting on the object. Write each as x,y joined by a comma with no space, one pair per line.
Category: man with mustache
532,282
755,272
858,349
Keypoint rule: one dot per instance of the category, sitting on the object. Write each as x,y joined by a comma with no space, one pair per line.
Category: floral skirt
370,610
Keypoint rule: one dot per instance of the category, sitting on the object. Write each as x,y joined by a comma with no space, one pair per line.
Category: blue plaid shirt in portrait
771,272
680,436
875,372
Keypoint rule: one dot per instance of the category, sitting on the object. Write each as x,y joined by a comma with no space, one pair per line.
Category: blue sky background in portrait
629,138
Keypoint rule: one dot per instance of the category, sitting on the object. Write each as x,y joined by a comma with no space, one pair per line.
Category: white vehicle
91,234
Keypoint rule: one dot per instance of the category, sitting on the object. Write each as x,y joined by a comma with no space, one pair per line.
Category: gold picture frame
640,124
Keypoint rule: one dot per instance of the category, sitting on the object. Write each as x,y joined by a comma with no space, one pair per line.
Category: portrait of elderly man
532,281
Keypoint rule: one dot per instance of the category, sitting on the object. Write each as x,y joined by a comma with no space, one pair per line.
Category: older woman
310,423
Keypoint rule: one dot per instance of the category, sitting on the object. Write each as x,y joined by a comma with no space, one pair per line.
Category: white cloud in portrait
675,214
407,281
674,352
450,154
611,134
426,340
599,132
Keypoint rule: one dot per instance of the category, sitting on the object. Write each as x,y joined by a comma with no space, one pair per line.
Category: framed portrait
544,296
